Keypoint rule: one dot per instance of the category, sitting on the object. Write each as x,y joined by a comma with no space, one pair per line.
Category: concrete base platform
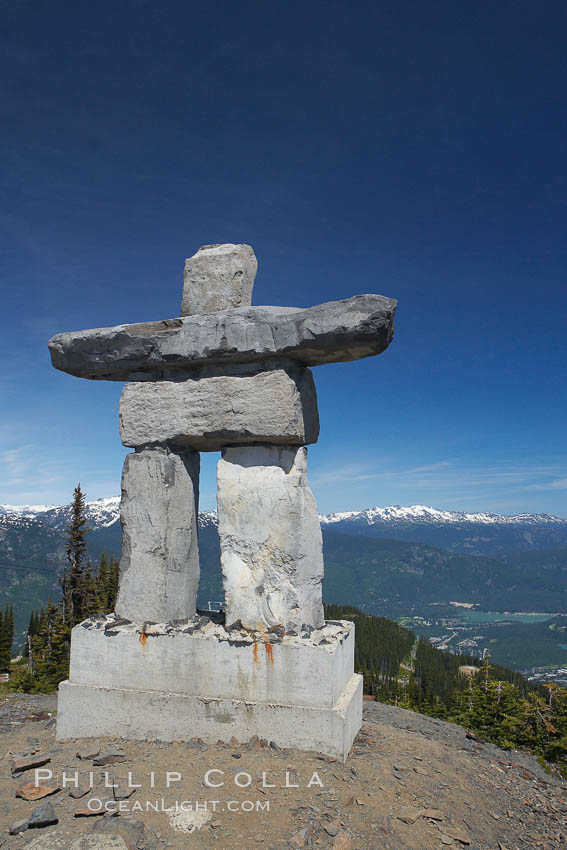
181,680
86,711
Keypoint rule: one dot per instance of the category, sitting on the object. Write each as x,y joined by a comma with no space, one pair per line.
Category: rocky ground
411,783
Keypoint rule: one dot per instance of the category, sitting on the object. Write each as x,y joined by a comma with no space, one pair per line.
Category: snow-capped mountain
425,514
105,512
100,514
481,533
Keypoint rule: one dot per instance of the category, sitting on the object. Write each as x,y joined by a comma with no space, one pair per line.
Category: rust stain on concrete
269,650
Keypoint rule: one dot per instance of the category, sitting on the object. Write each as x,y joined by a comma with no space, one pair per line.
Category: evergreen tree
90,599
102,582
56,657
73,584
2,643
6,638
29,634
9,631
113,583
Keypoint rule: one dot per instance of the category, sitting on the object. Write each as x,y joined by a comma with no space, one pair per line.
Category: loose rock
35,791
20,763
89,752
18,826
301,838
43,816
110,756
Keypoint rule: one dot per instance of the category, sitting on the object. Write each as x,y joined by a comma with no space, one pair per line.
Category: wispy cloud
23,466
557,484
14,464
450,482
359,472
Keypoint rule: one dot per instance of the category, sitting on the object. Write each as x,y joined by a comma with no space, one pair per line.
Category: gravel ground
411,783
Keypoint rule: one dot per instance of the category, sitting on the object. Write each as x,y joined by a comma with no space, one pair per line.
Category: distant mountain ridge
424,514
105,512
100,514
483,533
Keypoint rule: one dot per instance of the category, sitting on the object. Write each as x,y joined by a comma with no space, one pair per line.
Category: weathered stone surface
89,752
159,570
270,538
83,786
337,331
95,807
122,787
43,816
61,840
218,277
114,755
132,832
208,413
302,838
20,763
37,790
18,826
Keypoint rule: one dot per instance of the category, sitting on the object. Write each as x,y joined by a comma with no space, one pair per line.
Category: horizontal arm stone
337,331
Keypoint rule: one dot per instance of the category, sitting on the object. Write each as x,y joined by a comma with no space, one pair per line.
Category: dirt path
412,783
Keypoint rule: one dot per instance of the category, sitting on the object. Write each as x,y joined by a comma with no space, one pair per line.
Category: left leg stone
159,570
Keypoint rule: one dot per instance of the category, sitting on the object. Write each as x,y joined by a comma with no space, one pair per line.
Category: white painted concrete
87,711
214,663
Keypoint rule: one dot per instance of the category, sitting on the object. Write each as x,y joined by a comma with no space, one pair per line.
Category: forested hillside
498,704
371,572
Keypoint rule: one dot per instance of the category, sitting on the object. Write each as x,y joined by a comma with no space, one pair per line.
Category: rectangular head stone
218,277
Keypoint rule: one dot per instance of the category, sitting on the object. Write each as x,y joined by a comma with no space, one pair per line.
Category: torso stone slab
208,413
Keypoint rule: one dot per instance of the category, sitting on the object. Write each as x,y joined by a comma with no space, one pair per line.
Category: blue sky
414,150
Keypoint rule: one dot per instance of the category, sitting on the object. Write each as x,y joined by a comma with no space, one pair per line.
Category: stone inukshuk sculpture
224,376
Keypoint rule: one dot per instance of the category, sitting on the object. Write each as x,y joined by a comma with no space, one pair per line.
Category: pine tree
8,635
56,657
6,638
102,583
29,634
90,599
2,644
113,583
73,584
39,648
